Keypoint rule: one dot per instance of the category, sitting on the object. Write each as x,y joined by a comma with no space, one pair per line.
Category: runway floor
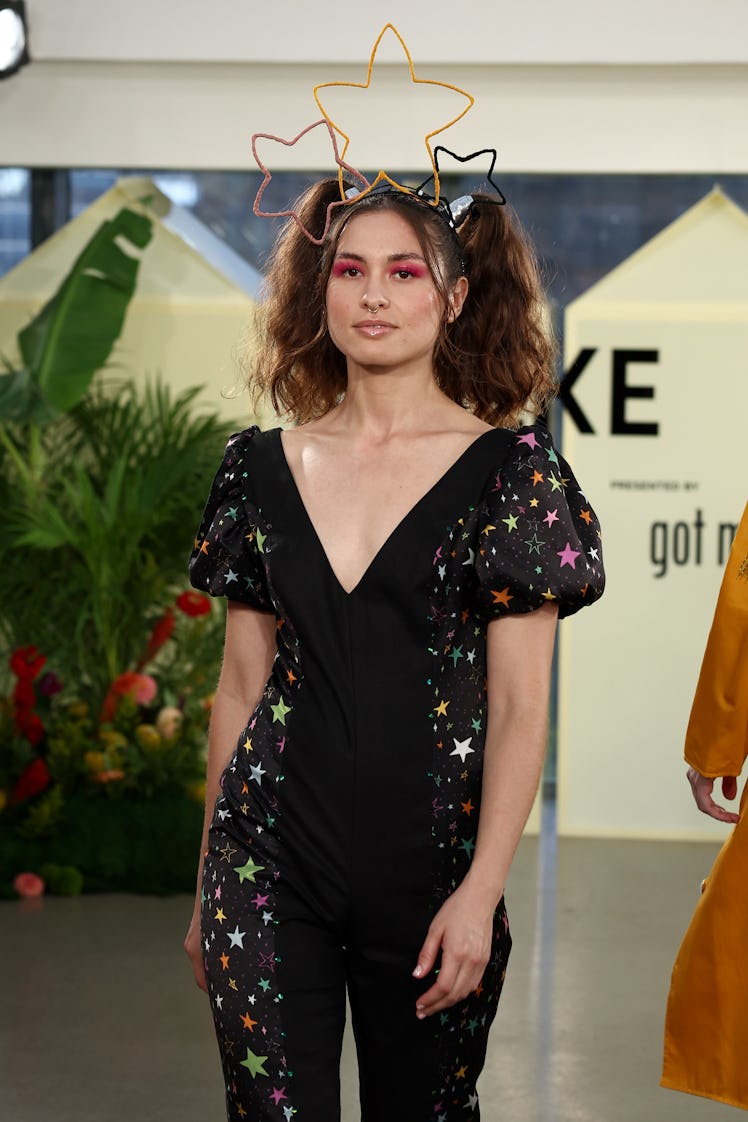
101,1022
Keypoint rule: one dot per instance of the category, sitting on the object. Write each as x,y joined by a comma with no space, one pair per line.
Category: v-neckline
410,513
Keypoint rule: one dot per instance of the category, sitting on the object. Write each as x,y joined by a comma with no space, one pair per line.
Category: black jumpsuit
349,810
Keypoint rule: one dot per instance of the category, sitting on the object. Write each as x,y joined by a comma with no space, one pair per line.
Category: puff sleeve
227,558
538,537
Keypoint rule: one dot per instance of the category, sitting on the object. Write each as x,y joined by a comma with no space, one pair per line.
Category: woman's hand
194,948
462,930
702,787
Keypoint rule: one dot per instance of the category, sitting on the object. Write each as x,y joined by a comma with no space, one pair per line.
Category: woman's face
383,308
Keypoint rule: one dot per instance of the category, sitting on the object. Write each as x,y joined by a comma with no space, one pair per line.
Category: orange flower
112,775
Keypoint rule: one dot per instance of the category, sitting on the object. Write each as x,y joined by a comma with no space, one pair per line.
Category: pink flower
28,885
141,688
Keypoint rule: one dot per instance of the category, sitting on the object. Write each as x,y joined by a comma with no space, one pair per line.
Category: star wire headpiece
454,213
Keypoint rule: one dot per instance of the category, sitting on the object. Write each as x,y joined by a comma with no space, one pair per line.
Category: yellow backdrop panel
189,316
662,349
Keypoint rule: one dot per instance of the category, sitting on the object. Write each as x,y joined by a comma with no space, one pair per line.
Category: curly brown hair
496,359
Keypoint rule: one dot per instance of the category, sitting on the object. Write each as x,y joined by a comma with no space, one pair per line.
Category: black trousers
280,954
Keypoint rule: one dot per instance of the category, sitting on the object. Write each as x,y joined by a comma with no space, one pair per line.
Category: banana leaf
74,333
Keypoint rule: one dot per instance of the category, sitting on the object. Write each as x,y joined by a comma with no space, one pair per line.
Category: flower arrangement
106,666
146,741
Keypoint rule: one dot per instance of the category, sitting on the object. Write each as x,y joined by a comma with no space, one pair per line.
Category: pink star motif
529,439
277,1094
259,901
217,893
551,517
568,556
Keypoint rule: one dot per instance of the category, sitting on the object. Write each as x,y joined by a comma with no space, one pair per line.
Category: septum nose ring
372,309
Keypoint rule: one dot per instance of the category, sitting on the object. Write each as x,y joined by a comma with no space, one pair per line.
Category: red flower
193,603
29,725
33,780
26,662
23,694
162,631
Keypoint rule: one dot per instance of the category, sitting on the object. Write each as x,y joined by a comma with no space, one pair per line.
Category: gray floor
100,1022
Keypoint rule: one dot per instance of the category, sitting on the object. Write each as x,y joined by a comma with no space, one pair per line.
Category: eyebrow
391,258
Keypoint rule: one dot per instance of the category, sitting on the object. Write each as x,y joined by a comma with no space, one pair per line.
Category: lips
373,328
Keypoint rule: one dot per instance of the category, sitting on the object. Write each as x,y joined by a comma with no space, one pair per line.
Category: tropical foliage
107,661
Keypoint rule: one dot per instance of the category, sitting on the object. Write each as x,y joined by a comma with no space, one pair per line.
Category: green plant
86,567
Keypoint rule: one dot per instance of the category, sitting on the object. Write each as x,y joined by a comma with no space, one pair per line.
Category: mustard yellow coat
706,1029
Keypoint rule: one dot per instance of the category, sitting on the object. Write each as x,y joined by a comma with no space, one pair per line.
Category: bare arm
247,659
520,650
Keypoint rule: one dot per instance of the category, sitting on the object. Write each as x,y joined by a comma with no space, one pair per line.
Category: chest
356,500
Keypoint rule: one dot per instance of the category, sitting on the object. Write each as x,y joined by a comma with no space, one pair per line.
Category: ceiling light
14,44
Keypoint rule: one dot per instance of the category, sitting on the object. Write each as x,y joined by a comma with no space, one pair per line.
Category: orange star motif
586,515
502,597
536,478
225,961
468,807
247,1021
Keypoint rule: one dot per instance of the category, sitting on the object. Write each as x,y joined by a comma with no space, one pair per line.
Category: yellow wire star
382,175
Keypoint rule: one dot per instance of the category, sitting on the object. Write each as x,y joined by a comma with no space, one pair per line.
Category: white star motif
236,936
257,774
231,575
462,748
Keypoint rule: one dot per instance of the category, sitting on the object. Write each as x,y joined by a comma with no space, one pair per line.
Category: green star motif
555,483
254,1064
468,844
280,710
247,872
476,723
552,456
510,523
264,984
261,539
454,654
